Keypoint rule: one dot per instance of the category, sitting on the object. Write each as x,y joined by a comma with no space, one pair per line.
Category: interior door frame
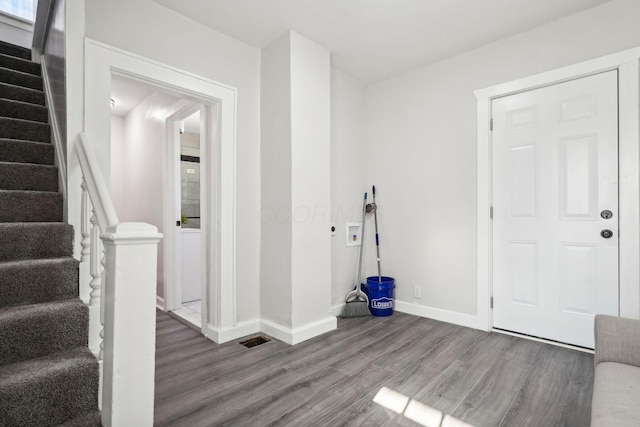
101,61
628,66
172,206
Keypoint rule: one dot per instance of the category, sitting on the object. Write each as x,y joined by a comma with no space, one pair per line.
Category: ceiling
376,39
127,94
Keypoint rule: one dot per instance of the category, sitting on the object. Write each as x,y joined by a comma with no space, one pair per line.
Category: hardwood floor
433,369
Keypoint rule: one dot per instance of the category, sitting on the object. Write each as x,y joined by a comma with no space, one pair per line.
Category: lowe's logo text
382,303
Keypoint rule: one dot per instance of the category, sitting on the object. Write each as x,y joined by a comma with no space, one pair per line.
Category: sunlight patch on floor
415,411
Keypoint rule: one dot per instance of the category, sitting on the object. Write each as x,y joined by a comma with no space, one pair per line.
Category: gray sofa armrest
617,340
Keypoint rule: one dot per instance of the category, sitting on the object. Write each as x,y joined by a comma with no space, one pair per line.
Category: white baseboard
336,310
303,333
160,302
437,314
61,160
242,329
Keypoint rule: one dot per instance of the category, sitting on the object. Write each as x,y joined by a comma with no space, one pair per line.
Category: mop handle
359,290
375,218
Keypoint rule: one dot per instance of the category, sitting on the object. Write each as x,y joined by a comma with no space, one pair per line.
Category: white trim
336,310
629,187
542,340
61,159
101,61
172,206
626,63
303,333
159,303
171,248
16,21
240,330
448,316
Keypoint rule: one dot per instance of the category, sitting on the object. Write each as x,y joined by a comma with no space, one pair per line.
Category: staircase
48,376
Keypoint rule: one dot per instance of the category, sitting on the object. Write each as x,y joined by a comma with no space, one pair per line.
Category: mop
357,302
375,217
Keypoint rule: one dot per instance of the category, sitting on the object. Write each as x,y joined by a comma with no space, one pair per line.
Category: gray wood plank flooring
479,378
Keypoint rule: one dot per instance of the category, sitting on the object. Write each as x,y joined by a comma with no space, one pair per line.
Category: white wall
276,234
55,55
139,149
310,179
422,153
148,29
118,163
348,177
15,32
296,170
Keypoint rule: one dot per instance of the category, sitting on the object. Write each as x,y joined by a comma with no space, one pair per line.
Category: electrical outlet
417,292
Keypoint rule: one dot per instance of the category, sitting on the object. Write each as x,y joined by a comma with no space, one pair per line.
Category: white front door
555,196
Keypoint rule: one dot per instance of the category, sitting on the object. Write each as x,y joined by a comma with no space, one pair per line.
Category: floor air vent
252,342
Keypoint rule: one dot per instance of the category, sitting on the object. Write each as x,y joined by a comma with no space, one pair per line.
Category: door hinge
491,302
491,212
491,124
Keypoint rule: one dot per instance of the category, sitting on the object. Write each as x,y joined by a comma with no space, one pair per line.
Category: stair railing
121,260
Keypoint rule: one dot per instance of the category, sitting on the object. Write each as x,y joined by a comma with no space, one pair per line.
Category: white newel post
129,296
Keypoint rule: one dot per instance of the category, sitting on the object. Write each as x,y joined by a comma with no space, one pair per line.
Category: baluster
103,263
95,297
95,262
85,224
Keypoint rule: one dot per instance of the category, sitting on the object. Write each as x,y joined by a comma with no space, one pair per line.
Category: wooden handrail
96,186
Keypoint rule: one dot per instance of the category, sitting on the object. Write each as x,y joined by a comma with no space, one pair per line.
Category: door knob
606,234
606,214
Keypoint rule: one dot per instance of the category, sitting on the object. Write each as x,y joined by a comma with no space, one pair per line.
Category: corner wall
276,299
348,178
421,128
296,142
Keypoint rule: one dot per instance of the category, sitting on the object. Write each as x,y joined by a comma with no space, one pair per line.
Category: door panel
555,168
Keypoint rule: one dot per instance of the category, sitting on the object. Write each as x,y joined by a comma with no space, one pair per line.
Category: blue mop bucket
380,295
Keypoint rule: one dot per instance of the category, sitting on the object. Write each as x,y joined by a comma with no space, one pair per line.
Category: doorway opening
102,64
190,249
160,141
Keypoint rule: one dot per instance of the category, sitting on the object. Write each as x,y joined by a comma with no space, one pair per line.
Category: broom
357,302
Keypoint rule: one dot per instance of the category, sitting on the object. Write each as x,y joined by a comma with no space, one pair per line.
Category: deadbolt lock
606,234
606,214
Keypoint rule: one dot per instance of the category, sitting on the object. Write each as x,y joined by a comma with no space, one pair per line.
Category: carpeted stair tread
92,419
26,176
19,151
36,330
48,376
24,129
50,391
20,64
23,94
32,240
20,78
23,110
38,280
30,206
14,50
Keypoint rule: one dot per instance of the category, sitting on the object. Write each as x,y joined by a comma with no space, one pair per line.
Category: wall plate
354,233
